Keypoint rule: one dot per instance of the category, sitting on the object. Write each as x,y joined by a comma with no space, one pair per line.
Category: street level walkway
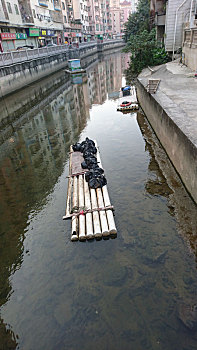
177,93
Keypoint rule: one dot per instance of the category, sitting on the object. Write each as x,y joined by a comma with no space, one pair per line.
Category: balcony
43,3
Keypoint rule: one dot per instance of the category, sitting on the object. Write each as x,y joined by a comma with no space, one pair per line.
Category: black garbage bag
95,178
77,147
97,182
91,160
85,145
94,172
84,165
96,167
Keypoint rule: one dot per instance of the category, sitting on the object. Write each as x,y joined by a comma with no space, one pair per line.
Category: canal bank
20,68
171,112
132,292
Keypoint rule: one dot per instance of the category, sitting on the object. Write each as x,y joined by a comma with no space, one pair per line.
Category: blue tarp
126,88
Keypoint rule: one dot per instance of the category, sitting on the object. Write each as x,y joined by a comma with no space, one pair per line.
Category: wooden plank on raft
82,231
75,224
95,214
91,211
89,226
107,203
70,180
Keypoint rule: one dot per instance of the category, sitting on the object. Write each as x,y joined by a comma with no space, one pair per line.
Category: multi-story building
115,14
37,23
48,19
81,14
15,17
169,18
126,10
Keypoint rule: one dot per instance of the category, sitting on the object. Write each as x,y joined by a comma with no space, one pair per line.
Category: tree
139,20
141,41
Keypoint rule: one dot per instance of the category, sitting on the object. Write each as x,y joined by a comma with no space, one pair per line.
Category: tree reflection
164,181
8,340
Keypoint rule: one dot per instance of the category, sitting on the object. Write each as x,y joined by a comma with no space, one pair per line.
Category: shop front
99,38
8,41
21,39
46,37
78,35
32,36
67,38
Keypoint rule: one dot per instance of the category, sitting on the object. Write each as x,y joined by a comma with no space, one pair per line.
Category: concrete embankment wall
17,75
166,119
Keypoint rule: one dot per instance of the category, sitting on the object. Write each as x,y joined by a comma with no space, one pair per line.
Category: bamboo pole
109,213
82,235
95,214
110,216
102,213
89,226
70,182
74,234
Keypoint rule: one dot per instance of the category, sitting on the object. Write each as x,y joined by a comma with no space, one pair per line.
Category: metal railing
13,57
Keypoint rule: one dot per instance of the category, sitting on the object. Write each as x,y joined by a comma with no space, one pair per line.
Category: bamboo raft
132,99
90,210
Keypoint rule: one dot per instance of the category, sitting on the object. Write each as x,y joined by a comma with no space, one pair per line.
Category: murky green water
131,292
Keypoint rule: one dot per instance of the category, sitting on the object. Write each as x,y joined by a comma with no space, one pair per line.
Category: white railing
13,57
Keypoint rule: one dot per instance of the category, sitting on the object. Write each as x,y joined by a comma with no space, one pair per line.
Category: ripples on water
131,292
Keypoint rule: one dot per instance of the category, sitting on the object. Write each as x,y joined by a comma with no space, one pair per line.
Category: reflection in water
125,292
7,337
164,181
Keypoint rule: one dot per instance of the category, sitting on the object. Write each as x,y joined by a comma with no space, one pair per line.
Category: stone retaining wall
165,118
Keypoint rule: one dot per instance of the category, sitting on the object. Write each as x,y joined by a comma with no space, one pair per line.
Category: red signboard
8,36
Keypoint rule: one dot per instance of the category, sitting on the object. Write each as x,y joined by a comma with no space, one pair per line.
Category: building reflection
164,181
37,127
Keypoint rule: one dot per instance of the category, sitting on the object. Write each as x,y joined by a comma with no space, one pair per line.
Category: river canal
137,291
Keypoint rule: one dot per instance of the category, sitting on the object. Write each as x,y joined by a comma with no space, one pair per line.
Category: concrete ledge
168,121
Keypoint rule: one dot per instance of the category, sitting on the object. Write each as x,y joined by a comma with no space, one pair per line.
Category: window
63,5
16,9
97,26
65,19
9,7
34,13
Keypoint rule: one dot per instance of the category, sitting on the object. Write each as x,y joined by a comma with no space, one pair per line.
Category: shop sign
34,32
73,34
21,36
66,34
43,32
8,36
78,34
50,32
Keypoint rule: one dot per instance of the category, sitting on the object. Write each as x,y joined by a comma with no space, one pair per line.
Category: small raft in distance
74,66
89,209
130,102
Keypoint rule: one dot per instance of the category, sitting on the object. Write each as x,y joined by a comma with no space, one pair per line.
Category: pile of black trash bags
95,175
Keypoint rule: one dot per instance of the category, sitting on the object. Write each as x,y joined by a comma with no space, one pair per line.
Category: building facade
38,23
